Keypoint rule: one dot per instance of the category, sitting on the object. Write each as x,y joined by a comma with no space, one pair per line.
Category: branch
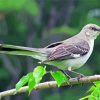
52,84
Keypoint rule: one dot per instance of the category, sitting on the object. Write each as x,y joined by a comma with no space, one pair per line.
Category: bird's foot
80,76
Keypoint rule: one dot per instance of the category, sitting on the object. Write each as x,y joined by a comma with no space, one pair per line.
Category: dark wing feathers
69,51
53,45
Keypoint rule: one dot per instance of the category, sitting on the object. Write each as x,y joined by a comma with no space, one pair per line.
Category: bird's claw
80,76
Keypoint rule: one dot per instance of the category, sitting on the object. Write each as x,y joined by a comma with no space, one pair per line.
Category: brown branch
52,84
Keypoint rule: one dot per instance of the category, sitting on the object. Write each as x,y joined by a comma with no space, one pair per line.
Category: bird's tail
19,50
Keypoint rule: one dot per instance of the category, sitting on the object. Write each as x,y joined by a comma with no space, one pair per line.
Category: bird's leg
79,74
66,74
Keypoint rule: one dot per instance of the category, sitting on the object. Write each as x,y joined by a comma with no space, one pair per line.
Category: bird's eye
93,28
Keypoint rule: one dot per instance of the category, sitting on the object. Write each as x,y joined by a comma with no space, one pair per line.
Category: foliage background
36,23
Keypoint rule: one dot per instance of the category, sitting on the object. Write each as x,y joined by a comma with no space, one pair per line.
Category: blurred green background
36,23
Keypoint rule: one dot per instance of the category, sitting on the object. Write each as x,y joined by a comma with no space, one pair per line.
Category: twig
52,84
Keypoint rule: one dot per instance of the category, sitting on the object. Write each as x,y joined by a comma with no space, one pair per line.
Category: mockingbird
69,54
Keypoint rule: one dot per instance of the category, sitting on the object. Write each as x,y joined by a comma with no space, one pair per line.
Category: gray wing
71,51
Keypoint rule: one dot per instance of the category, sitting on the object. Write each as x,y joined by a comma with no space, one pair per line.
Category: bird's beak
98,29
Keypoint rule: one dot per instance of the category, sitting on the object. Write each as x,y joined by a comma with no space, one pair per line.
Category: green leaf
95,92
59,77
91,89
87,97
23,81
38,73
97,83
32,78
36,77
31,83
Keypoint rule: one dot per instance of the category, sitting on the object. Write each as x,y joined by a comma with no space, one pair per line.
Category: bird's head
91,31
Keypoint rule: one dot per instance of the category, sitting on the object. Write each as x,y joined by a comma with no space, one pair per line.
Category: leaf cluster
33,78
95,92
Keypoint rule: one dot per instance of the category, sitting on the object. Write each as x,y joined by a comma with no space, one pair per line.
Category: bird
69,54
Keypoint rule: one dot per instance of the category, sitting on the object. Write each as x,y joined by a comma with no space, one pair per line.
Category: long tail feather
19,50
